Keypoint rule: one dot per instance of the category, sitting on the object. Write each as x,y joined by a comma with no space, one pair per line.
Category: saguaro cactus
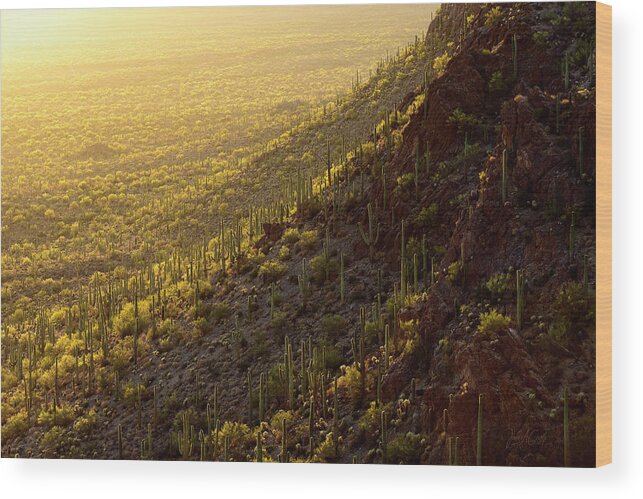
479,433
120,441
342,289
284,442
566,449
403,267
581,170
520,296
384,436
373,235
504,176
259,450
514,54
184,437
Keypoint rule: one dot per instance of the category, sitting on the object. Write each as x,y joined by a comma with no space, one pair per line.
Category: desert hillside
404,275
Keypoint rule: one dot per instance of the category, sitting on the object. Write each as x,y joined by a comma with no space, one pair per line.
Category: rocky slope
433,306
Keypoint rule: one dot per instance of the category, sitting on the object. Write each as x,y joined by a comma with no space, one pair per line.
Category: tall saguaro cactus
403,267
520,296
566,444
373,235
479,433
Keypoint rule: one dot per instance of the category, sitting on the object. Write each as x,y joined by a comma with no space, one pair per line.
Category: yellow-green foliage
53,442
462,119
62,416
308,239
498,284
15,426
368,152
427,215
410,335
406,448
125,321
322,266
241,439
284,253
496,82
278,418
454,270
325,451
278,321
440,63
122,352
350,382
140,194
333,324
492,16
130,392
405,181
493,322
220,311
369,422
291,235
272,270
573,311
200,327
87,423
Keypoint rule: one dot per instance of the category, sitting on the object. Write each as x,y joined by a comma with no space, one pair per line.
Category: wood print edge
603,234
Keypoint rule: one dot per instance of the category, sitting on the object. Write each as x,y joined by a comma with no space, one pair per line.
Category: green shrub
333,357
53,441
493,322
440,62
308,239
492,16
322,267
573,311
257,259
406,449
200,326
272,270
541,38
278,321
333,325
125,321
497,82
325,452
220,311
369,423
62,416
277,381
461,119
121,354
284,253
84,425
351,383
497,284
15,426
427,216
170,335
291,236
241,440
405,182
454,270
372,332
278,418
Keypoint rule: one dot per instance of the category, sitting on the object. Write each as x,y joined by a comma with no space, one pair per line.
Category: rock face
534,125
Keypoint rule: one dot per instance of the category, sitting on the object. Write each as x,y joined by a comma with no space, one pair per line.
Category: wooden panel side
603,234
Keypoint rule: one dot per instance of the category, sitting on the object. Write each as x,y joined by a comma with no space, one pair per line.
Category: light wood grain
603,234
